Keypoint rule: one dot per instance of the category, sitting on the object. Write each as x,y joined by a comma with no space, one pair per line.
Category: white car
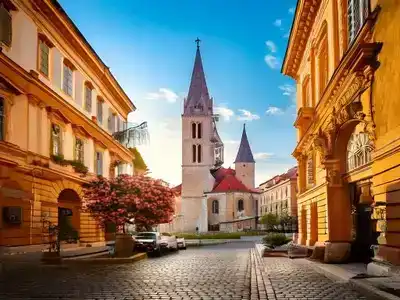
181,243
169,241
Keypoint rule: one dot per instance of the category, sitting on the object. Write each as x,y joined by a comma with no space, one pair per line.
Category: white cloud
273,111
224,112
262,155
231,142
271,46
247,115
278,23
291,10
272,61
289,90
163,94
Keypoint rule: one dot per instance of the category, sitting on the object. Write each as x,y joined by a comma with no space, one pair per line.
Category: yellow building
343,55
62,114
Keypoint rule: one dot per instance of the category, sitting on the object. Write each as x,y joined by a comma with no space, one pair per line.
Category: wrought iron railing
133,136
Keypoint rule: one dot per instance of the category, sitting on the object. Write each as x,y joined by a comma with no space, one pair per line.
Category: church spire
244,154
198,100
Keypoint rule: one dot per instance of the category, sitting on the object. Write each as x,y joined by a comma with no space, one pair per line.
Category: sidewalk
355,274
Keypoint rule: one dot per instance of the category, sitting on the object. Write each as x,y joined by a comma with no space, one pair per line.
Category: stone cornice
306,12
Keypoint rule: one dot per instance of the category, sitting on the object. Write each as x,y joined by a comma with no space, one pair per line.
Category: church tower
244,162
198,148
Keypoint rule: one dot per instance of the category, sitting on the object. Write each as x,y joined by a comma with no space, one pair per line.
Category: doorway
363,235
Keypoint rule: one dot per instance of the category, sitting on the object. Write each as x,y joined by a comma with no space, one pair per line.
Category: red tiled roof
230,184
221,173
291,173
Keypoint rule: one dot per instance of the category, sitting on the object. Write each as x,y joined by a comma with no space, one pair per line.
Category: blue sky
149,47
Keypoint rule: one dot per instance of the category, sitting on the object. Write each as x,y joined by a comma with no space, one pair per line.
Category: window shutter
5,26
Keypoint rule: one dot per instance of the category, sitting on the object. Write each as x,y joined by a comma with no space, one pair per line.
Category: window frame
7,41
194,130
364,10
199,154
199,130
240,204
215,207
67,65
82,151
52,140
88,101
96,162
43,40
99,110
194,153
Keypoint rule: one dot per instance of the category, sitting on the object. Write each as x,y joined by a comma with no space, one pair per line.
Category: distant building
278,195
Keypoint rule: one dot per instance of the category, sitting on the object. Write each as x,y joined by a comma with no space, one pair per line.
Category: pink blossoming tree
145,200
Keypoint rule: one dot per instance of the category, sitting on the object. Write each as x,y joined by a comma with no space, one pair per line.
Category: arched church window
199,130
240,205
193,130
215,207
359,150
194,148
199,153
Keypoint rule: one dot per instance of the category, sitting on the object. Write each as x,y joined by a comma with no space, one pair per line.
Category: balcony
304,118
133,136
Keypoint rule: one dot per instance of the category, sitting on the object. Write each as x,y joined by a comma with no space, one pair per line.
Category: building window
359,150
215,207
5,25
56,139
357,12
240,205
307,93
323,66
199,153
310,171
79,150
98,163
194,156
68,70
88,97
100,110
2,119
44,57
199,130
120,169
109,120
193,130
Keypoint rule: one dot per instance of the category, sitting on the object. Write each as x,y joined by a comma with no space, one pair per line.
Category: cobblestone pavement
228,271
291,279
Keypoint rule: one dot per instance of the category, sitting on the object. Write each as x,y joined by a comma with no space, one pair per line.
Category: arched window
357,12
215,207
199,130
193,130
359,149
194,156
240,205
199,153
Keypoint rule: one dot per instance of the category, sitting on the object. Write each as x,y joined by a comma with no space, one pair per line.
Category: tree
270,220
125,198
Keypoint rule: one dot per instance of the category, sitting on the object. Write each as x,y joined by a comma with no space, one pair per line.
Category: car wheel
158,252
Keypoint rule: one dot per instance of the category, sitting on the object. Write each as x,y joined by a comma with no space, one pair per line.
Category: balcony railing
133,136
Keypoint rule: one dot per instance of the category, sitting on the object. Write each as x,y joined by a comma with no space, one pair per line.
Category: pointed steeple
198,100
244,154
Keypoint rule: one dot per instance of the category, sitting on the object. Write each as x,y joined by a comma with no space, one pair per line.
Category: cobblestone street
229,271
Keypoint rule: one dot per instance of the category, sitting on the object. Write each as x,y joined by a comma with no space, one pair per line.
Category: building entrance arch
69,215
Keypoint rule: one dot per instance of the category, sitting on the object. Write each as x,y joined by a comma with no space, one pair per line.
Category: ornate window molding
359,151
56,139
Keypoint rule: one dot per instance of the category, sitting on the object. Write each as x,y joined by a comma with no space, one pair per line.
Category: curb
117,260
343,276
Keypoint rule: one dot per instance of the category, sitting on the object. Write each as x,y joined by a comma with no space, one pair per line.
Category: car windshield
146,236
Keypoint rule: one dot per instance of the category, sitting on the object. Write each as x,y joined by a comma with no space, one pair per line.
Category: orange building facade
60,109
342,55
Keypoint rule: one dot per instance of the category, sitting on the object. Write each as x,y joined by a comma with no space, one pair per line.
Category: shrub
273,240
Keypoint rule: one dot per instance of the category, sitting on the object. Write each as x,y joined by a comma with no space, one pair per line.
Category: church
211,197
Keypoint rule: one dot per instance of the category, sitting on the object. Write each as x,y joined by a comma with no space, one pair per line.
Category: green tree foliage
138,162
273,239
270,220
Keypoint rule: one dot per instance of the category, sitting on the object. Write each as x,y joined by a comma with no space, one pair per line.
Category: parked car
170,240
181,243
150,242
